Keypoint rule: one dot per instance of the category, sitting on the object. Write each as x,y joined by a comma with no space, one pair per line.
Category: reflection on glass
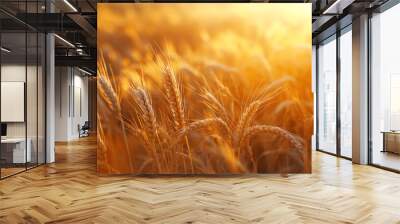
394,102
31,100
346,94
386,89
41,98
22,92
14,153
327,96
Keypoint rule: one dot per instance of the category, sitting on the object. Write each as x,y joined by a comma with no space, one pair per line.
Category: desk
15,148
391,141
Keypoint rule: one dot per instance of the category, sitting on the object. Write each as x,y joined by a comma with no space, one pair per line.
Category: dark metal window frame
337,35
389,4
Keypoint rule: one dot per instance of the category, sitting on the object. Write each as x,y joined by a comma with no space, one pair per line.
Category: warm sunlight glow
204,88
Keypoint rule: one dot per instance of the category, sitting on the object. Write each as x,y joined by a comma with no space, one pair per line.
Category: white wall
16,73
33,126
62,81
80,109
71,103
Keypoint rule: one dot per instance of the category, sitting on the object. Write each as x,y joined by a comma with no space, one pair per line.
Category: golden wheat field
204,88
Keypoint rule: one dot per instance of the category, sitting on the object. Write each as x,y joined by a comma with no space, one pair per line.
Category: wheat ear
143,100
112,99
250,132
146,107
214,104
245,120
197,125
110,96
175,101
174,98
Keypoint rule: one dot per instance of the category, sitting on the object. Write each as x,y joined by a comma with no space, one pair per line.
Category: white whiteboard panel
12,101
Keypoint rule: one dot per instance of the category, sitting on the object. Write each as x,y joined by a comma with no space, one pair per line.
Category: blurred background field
204,88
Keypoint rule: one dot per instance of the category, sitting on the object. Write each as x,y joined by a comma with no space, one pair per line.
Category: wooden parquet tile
70,191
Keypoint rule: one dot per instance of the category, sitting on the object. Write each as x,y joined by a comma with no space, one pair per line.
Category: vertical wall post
316,113
360,89
338,98
50,92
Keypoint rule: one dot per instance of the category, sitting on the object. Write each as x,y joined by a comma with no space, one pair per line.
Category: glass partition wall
334,93
13,90
385,89
22,77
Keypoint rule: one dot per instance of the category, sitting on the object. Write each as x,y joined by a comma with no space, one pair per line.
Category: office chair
84,130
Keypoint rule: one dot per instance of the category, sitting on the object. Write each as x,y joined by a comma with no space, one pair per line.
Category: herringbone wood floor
70,191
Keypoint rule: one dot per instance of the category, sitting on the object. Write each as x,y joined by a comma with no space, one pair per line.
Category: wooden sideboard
391,141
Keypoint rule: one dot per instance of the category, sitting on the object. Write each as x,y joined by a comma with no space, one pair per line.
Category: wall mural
204,88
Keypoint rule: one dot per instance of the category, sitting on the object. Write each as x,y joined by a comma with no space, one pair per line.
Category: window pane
386,89
327,96
346,94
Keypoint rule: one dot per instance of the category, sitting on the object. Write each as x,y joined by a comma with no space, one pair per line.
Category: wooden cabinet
391,142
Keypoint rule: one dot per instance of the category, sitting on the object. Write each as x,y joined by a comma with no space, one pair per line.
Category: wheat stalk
245,120
205,123
150,123
257,129
175,101
174,98
137,132
201,124
215,105
148,115
101,143
111,97
223,87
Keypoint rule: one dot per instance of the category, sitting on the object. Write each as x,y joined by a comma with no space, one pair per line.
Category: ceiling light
65,41
79,51
84,71
70,5
337,7
5,50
